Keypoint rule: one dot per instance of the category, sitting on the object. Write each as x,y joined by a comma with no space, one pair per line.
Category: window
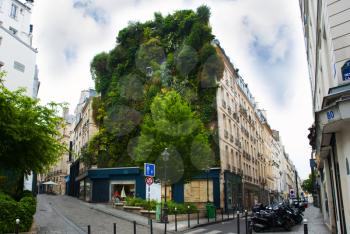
13,13
18,66
347,167
13,30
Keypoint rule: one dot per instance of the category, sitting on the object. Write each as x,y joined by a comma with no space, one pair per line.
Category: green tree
29,136
173,125
307,184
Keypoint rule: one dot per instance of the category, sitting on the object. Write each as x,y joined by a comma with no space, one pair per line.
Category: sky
264,39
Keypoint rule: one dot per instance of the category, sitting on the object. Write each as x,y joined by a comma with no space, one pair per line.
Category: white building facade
327,38
17,56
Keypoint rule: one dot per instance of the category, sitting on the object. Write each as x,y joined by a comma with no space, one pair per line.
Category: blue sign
345,71
330,115
150,169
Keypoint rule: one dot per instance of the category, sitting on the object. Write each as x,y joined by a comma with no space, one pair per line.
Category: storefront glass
122,189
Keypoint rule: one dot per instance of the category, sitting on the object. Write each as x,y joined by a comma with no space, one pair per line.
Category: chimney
65,112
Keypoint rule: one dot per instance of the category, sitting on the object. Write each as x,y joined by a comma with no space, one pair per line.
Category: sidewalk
314,221
141,220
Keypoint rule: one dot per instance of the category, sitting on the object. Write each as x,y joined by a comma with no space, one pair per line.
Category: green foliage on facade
170,53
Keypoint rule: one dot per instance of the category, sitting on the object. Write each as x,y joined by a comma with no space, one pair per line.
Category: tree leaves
29,136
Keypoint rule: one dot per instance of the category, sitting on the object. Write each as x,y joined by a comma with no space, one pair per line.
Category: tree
307,184
173,125
29,136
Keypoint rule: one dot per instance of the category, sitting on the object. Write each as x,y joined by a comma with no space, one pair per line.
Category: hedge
10,210
181,208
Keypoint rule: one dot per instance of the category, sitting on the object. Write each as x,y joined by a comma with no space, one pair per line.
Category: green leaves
29,139
172,124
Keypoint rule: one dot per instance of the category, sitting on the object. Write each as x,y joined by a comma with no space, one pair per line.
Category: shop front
233,191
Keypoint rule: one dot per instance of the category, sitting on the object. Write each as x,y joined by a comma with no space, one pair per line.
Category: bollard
250,231
238,222
188,216
89,229
215,214
306,231
175,219
151,226
114,228
197,216
134,222
246,220
17,226
228,214
208,214
222,214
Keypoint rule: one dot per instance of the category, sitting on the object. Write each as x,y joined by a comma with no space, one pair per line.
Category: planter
133,209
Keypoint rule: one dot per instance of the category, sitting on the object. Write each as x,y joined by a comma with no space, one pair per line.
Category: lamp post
207,171
165,155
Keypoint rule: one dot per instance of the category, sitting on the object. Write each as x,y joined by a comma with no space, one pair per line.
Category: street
62,214
312,214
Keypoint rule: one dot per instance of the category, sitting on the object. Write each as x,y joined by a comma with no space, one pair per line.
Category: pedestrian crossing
206,231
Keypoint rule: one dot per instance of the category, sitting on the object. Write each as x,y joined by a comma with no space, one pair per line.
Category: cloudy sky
262,38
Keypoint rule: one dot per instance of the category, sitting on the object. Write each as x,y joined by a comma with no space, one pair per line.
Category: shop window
196,191
122,189
347,167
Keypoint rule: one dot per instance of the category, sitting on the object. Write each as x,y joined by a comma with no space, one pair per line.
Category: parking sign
150,169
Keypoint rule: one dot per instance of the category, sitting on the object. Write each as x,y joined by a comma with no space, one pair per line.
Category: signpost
150,169
150,172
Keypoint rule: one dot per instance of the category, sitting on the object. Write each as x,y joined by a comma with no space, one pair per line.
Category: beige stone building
84,126
244,140
59,172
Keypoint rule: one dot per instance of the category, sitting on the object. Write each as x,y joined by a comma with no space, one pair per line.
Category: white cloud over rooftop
263,39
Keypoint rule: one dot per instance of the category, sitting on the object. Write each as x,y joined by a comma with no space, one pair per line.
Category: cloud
263,39
98,14
70,53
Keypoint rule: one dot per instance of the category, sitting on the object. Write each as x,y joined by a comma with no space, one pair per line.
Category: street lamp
165,155
207,171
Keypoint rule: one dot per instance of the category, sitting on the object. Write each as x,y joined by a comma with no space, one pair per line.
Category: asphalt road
63,215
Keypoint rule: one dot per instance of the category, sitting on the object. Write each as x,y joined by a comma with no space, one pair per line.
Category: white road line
197,231
214,232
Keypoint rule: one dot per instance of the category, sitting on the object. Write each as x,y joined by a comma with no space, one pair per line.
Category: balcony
223,104
225,133
238,143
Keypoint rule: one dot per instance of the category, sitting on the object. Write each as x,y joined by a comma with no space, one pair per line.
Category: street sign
291,193
149,181
345,70
150,169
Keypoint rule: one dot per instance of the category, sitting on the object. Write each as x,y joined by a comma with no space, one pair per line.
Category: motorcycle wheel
288,225
257,229
299,219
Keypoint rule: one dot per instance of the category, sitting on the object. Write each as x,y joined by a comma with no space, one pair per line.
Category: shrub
181,208
10,210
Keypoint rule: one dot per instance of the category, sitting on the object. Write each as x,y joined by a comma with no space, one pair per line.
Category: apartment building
18,57
58,173
326,27
84,128
245,142
17,54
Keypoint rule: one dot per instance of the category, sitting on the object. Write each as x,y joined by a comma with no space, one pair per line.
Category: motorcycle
278,217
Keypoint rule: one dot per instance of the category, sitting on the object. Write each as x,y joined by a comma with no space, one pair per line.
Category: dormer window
13,13
13,31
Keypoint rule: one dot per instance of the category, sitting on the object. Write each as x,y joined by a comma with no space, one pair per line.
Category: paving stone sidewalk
142,220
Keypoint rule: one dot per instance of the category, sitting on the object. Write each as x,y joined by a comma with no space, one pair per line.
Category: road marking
214,232
197,231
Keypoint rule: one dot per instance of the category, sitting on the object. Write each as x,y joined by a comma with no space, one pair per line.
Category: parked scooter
276,218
